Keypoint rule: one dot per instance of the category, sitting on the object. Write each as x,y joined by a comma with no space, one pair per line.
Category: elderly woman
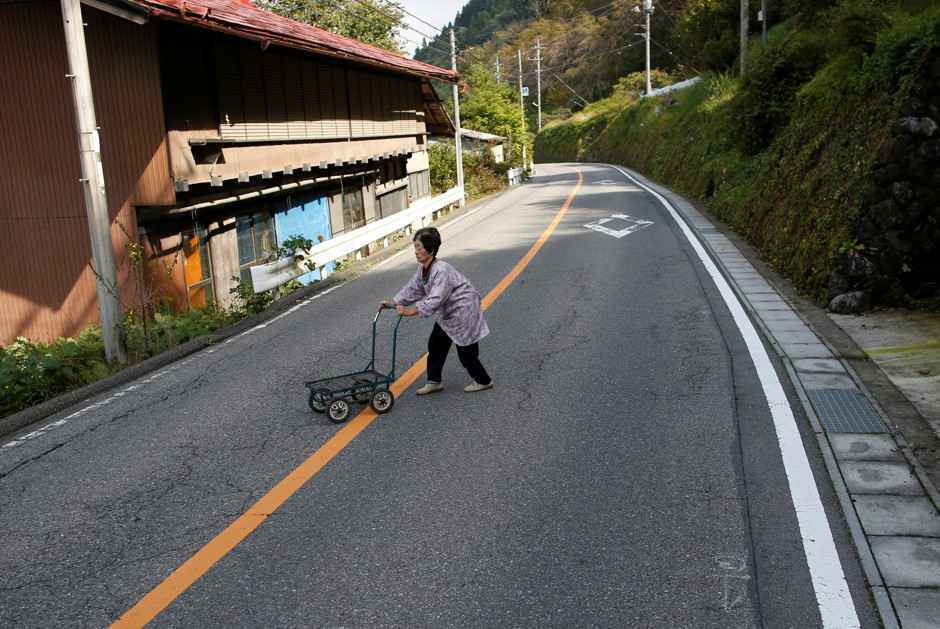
439,289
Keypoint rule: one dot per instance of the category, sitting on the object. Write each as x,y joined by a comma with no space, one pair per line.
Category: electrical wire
397,20
565,66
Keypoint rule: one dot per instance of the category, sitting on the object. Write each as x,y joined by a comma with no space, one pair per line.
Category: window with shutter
229,83
256,109
274,97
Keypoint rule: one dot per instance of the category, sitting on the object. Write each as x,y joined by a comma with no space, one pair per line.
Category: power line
423,21
424,45
565,66
397,20
671,54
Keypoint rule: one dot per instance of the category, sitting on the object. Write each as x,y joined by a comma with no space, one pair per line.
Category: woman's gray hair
429,238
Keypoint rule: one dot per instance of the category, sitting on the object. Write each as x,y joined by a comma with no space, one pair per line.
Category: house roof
436,118
482,136
249,22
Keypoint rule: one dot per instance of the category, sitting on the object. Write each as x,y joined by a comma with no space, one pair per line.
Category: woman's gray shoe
430,387
473,387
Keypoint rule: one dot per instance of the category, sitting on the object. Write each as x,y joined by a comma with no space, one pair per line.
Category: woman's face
421,255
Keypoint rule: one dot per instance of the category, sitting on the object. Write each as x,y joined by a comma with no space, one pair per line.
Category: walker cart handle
382,306
375,319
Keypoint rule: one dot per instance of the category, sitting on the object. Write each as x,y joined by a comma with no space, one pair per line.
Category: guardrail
515,176
675,87
267,276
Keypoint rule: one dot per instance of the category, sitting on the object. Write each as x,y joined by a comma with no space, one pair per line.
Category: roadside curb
29,416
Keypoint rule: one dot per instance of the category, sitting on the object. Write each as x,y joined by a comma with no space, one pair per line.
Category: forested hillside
590,44
825,155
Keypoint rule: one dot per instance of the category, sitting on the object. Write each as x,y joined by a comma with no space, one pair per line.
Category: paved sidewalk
906,346
889,501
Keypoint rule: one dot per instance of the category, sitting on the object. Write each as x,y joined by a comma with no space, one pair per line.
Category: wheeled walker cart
333,396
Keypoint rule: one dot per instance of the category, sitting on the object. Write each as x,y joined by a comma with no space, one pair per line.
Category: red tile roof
250,22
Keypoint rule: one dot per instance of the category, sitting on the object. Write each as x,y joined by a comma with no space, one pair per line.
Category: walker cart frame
334,395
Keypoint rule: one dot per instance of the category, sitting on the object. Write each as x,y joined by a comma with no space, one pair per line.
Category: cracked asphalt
623,472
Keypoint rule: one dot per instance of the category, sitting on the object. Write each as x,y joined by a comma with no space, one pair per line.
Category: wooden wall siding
271,95
278,95
129,105
46,286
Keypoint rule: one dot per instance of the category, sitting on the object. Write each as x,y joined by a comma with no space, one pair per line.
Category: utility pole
521,102
497,68
96,200
458,143
745,25
648,10
538,62
763,21
522,108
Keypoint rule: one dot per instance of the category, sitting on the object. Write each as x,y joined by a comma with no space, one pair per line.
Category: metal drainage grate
845,410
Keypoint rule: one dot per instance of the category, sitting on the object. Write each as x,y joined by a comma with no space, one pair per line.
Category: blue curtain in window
309,216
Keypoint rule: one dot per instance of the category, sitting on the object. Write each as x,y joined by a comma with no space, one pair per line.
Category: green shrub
635,82
245,301
443,165
32,372
765,100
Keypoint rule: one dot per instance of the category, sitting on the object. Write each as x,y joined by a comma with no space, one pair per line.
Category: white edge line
836,607
260,326
141,383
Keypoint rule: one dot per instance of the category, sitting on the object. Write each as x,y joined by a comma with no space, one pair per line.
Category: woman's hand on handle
406,311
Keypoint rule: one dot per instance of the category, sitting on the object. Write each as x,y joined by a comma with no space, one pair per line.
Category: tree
375,22
493,108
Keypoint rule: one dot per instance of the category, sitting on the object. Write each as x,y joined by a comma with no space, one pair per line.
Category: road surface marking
193,568
833,597
635,225
156,376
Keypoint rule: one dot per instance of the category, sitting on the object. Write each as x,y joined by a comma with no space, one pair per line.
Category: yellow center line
183,577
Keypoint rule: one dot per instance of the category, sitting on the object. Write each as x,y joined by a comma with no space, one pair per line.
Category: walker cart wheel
319,400
382,401
338,411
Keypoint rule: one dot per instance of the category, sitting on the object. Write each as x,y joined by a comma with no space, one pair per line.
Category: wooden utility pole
458,143
648,10
538,61
522,109
763,21
96,199
521,101
745,25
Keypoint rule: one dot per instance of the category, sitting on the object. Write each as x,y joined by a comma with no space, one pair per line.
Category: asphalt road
624,471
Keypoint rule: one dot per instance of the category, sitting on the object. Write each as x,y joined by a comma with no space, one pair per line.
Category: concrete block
799,337
787,325
806,350
869,477
815,381
917,609
778,305
762,298
898,515
778,314
822,365
864,447
912,562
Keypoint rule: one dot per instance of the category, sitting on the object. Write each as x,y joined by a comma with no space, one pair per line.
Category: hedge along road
624,471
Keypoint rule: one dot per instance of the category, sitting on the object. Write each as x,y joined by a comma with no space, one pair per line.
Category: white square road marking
634,225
